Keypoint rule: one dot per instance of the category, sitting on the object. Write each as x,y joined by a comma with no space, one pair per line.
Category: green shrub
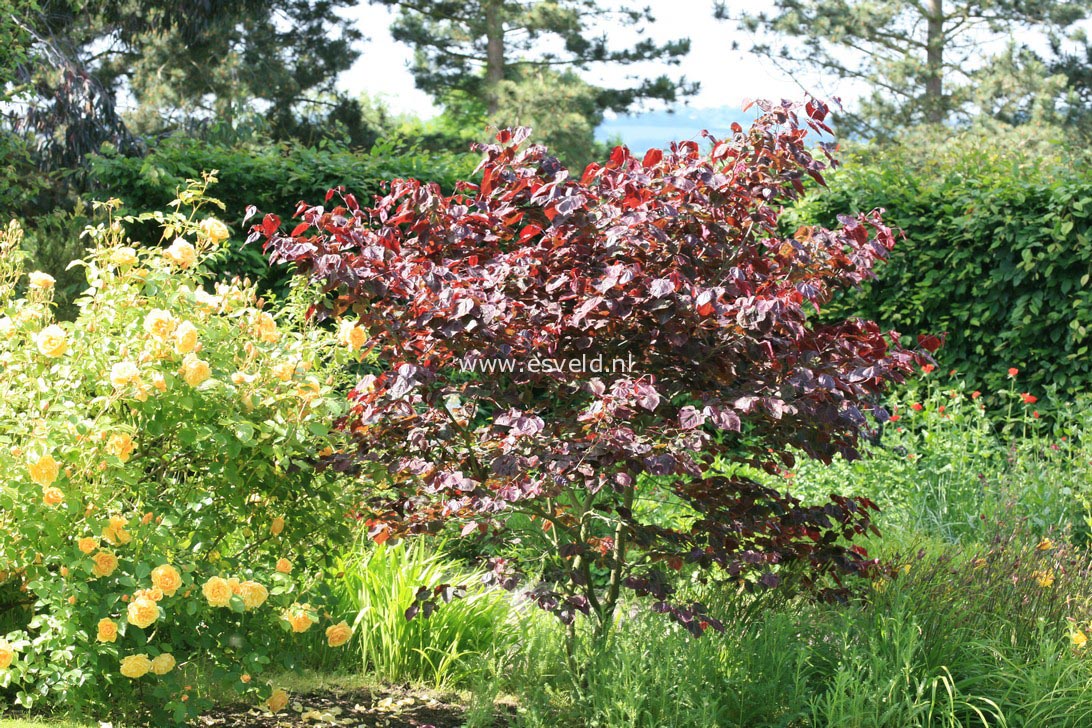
998,250
272,177
157,489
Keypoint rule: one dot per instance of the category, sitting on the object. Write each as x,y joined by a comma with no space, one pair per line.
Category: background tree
924,61
491,57
561,107
184,62
14,41
1075,64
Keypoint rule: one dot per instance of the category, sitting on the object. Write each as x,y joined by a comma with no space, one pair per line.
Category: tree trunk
494,52
934,62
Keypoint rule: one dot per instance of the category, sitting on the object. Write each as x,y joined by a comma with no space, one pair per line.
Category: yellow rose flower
299,617
284,370
159,323
265,327
284,566
185,338
142,612
181,253
115,532
166,578
40,280
309,390
159,382
194,370
241,378
217,592
123,257
213,230
124,372
1079,639
155,594
253,594
163,663
108,630
276,526
52,496
351,336
44,470
7,654
278,701
135,666
52,341
87,544
205,301
121,446
105,563
338,634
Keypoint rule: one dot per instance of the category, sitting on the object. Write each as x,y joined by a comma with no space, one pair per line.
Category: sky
727,77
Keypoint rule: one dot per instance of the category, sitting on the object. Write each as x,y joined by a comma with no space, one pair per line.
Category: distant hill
643,131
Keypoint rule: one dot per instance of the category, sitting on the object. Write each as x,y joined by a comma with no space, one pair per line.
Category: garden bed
390,708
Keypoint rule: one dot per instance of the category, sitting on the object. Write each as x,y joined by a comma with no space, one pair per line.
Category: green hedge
998,250
274,178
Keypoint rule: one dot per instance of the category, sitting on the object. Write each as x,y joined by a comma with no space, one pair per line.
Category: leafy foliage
272,177
670,273
157,495
996,253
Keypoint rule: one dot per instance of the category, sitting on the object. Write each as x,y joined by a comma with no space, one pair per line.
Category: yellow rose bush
159,494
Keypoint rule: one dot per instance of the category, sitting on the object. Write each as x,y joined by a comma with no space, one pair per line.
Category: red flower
893,418
927,368
1035,414
916,406
1013,371
1029,398
975,394
940,409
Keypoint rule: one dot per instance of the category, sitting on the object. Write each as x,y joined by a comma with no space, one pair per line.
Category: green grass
377,584
965,636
